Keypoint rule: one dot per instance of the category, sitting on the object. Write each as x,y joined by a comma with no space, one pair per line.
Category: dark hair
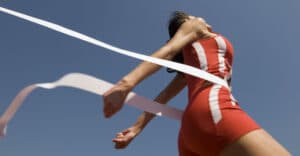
176,20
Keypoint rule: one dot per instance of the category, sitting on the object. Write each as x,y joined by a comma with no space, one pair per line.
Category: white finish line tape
90,84
173,65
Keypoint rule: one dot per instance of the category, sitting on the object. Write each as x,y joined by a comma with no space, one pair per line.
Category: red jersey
212,118
214,55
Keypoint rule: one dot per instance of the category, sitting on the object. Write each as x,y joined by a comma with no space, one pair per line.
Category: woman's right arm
173,88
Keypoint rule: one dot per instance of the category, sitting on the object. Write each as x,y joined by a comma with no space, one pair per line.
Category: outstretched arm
126,136
113,99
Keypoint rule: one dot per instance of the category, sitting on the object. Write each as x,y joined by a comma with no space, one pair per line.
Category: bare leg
255,143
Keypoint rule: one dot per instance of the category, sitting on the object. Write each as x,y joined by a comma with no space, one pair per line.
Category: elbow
169,52
173,51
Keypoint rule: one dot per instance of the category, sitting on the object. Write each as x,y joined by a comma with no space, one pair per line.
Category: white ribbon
98,86
177,66
90,84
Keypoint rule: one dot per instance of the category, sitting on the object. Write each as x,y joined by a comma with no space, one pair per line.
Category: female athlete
213,123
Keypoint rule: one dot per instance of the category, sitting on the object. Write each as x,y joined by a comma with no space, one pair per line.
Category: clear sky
66,121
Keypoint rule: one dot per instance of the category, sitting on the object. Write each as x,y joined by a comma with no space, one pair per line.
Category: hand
3,126
113,100
124,138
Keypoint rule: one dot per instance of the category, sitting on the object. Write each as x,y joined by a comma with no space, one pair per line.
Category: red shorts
212,120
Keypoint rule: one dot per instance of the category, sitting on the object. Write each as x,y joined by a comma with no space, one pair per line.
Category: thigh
255,143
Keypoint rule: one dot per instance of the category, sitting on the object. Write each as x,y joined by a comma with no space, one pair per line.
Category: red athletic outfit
212,118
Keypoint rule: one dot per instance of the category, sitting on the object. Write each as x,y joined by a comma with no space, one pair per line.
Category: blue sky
67,121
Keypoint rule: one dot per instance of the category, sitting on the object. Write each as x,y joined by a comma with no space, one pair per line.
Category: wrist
137,129
126,84
143,120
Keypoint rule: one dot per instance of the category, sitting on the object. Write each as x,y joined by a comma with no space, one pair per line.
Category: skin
191,30
255,143
123,138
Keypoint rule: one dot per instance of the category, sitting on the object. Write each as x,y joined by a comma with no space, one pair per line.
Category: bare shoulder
188,32
195,26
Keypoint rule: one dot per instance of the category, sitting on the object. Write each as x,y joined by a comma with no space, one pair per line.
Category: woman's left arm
114,98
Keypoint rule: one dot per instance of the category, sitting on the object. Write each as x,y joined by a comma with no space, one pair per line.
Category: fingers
121,142
113,102
121,145
108,111
109,108
123,139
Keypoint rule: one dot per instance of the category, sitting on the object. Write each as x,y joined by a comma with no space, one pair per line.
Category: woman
213,123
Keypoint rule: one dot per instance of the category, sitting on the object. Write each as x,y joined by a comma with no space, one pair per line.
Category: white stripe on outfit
203,61
201,55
